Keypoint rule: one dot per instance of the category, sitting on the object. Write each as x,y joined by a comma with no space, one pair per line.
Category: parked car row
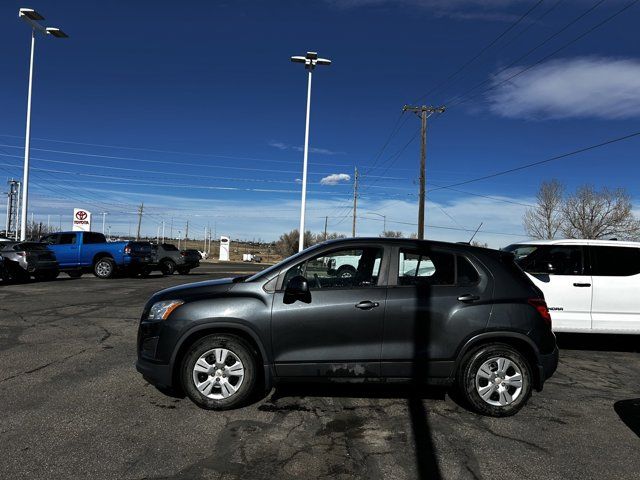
75,253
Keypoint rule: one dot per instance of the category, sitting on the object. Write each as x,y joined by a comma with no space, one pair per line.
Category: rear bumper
547,366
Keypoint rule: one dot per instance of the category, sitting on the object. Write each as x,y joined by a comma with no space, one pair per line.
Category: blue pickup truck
79,252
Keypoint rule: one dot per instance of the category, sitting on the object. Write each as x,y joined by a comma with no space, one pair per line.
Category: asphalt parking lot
73,406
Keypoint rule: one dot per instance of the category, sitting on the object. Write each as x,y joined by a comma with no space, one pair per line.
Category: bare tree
287,244
476,243
600,214
544,220
391,234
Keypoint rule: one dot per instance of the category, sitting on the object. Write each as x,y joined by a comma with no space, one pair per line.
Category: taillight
541,306
183,253
127,250
21,254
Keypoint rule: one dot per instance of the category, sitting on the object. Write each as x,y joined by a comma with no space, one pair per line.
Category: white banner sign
81,220
225,243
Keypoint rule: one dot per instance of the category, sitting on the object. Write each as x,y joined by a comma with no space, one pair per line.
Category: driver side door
337,330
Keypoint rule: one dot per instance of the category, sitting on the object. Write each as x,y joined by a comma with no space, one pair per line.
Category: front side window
550,259
347,268
615,261
426,268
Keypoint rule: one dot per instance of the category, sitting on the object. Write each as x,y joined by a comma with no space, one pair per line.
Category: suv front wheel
219,372
495,380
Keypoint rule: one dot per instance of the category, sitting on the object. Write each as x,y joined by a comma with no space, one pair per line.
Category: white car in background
589,285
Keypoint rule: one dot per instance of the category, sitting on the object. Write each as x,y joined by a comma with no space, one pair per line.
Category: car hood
192,291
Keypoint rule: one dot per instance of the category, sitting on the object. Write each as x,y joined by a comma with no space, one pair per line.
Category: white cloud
583,87
335,179
297,148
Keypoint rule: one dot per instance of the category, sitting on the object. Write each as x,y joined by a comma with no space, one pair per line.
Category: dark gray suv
417,311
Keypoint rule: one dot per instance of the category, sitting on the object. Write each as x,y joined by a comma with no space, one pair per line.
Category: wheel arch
241,331
518,341
100,256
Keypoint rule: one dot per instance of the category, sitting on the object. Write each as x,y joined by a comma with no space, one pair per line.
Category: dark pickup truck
79,252
168,259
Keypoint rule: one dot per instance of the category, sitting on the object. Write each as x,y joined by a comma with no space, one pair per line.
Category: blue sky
211,110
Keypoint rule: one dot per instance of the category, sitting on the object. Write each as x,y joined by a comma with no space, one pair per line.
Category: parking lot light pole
384,220
310,61
31,17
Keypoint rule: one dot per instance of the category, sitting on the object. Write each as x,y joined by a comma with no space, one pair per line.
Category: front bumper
155,373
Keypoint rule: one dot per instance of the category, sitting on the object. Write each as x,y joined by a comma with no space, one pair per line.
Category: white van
589,285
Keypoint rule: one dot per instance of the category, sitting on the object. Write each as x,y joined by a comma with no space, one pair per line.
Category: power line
477,55
540,162
164,162
460,99
175,152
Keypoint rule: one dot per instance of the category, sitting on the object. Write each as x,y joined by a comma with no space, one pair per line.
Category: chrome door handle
468,298
581,284
367,305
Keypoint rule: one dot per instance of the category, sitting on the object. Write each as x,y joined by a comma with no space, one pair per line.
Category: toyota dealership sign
81,220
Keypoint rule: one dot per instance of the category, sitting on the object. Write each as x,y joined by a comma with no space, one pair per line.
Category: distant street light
31,17
310,61
384,220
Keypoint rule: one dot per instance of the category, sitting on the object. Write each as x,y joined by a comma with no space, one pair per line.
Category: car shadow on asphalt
629,413
603,342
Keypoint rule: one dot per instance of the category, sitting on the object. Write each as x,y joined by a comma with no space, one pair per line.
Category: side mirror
297,289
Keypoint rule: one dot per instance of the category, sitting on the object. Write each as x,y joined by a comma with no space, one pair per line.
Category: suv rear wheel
219,372
495,380
167,267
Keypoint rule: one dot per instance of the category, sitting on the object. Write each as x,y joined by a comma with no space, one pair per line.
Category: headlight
162,310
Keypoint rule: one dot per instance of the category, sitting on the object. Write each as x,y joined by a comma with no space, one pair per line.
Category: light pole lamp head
56,32
29,13
311,60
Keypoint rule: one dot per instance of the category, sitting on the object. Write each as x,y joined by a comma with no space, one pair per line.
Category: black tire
167,267
75,273
104,268
184,270
242,352
16,274
346,271
468,384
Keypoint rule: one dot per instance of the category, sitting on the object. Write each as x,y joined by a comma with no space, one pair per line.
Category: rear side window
93,237
169,247
426,268
466,272
615,261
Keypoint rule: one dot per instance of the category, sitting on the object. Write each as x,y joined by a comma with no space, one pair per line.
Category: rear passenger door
65,247
435,299
616,288
560,272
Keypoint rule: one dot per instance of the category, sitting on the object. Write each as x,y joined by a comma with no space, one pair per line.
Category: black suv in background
419,311
168,259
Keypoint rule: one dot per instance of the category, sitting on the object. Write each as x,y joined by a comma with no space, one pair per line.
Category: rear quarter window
615,261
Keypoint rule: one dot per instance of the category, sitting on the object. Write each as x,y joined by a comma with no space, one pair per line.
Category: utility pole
171,229
326,219
186,233
355,203
163,230
423,112
140,210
